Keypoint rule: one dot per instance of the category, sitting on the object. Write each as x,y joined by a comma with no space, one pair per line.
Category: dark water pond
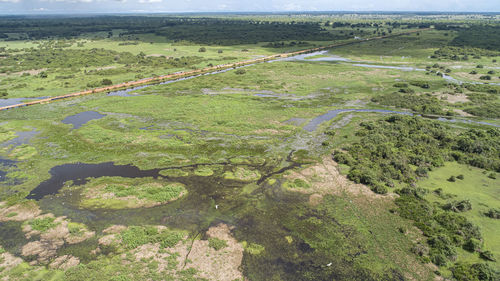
79,173
82,118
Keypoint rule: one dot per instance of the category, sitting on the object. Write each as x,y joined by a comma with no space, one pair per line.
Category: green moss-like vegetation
136,236
253,248
242,174
129,193
203,172
43,224
174,173
296,183
216,243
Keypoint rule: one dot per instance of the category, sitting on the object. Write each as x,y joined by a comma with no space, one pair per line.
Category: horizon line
278,12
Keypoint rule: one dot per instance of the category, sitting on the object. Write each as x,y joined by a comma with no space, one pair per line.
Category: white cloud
10,1
149,1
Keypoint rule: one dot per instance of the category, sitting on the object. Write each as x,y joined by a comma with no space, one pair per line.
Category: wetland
374,160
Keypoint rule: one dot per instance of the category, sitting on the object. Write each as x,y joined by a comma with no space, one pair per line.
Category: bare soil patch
49,241
19,212
325,178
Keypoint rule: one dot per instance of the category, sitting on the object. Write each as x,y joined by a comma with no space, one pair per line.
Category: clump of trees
387,150
462,53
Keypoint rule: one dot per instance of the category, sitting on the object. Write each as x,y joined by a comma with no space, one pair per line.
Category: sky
173,6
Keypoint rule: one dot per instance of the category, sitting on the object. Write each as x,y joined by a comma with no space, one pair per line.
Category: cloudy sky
137,6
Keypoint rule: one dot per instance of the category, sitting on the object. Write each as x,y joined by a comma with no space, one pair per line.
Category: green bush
487,255
493,213
421,84
240,71
473,272
106,82
458,206
472,245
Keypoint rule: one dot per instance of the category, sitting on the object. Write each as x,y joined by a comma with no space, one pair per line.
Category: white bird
216,207
330,264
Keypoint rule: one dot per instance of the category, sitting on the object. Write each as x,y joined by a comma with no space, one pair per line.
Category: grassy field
483,193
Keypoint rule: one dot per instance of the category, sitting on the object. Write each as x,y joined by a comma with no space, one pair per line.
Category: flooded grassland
222,177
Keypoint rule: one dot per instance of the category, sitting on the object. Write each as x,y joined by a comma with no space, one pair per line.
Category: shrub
451,179
202,49
379,189
472,245
407,90
460,177
487,255
216,243
472,272
421,84
401,85
493,213
458,206
240,71
485,77
473,72
106,82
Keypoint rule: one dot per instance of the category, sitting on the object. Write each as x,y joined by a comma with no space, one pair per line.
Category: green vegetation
232,147
217,243
43,224
402,149
296,183
119,193
419,103
136,236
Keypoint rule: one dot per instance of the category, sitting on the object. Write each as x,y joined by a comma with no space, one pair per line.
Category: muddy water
22,138
13,101
255,214
82,118
4,165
